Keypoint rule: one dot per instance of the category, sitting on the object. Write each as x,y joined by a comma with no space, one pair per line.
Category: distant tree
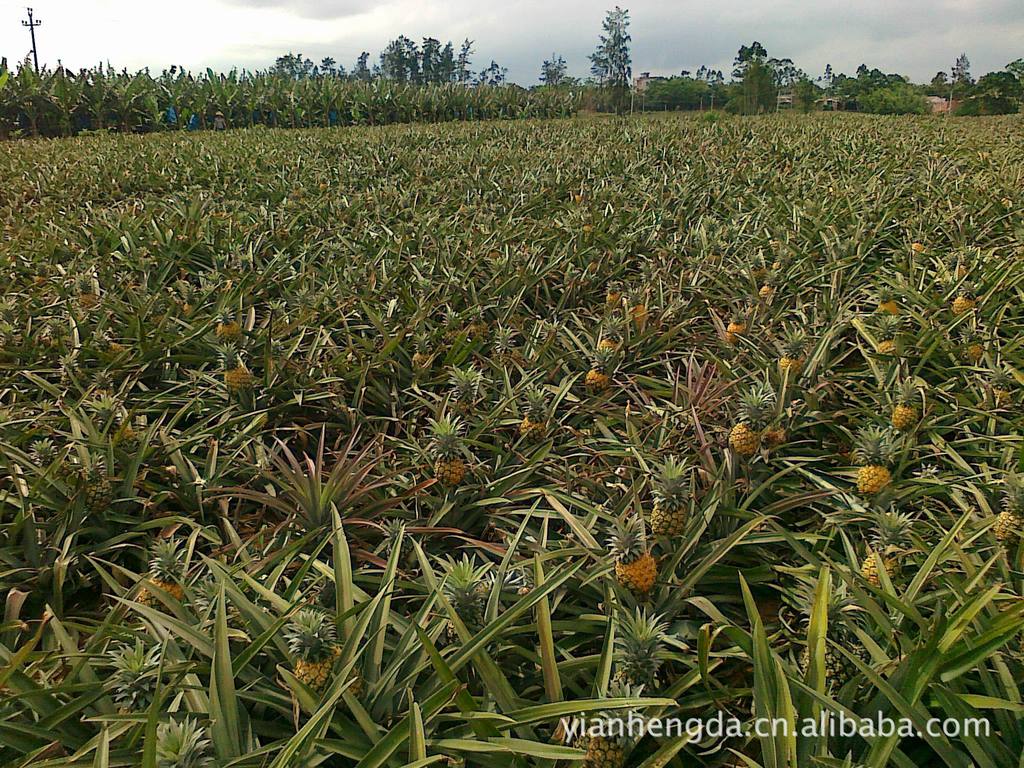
553,71
328,65
784,72
757,90
997,93
939,86
446,64
293,65
897,99
827,77
493,75
362,68
745,56
1016,68
805,93
961,80
463,73
430,60
611,63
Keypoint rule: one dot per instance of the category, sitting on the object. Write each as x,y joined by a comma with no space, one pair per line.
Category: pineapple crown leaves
166,562
466,586
1013,494
135,671
615,720
604,360
892,531
794,343
757,404
907,391
628,540
642,634
887,327
1002,379
467,384
536,404
614,328
875,446
445,437
182,744
672,484
229,355
311,635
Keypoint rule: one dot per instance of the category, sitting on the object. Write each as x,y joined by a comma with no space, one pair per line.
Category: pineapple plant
972,345
905,412
535,422
166,571
1002,385
964,300
447,450
640,649
736,328
874,451
237,376
887,330
608,739
839,670
671,499
466,588
793,352
613,294
182,744
635,566
467,386
602,367
313,643
228,330
422,356
614,333
888,542
767,289
887,301
755,411
133,678
94,485
1010,522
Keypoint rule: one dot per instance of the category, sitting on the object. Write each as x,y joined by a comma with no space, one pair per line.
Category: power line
32,24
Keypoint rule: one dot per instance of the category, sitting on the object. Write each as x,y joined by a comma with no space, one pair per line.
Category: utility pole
32,24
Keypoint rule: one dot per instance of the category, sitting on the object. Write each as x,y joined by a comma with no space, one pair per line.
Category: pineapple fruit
467,386
639,314
635,566
535,422
95,486
599,377
755,411
312,641
905,413
166,570
887,301
839,669
237,376
888,542
964,301
874,451
446,448
613,294
1010,522
609,744
640,649
613,335
228,330
671,499
794,352
421,357
887,330
1002,384
736,328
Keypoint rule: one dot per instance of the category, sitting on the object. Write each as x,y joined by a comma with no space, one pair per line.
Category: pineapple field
411,445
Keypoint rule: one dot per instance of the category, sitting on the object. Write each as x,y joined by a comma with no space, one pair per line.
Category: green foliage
900,99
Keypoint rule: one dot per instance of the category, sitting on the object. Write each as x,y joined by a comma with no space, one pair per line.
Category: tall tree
610,63
463,73
553,71
493,75
362,68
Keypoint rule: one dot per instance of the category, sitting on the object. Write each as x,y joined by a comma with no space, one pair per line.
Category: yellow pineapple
671,499
905,413
421,357
237,376
635,566
1002,384
888,543
756,407
613,294
613,335
794,352
1010,523
736,328
312,641
887,301
447,449
874,451
228,329
166,571
887,330
599,377
964,301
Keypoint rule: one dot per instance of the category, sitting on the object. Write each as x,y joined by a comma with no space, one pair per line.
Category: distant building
940,106
784,101
645,79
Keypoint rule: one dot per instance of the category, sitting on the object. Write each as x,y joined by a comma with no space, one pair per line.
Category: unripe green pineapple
839,669
874,451
466,589
313,642
635,566
182,744
422,356
447,450
94,485
467,386
166,571
1010,523
640,647
671,499
535,423
134,676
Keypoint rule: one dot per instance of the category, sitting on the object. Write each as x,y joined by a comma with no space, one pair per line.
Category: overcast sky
913,37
